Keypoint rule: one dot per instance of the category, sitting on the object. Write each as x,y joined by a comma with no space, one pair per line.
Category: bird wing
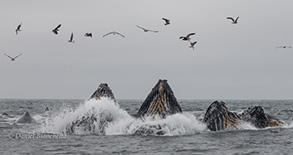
236,19
190,35
58,27
142,28
8,56
120,34
55,31
17,56
153,31
107,34
230,18
71,37
166,20
18,27
193,43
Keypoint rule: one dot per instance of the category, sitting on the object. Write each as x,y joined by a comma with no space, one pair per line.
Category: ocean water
184,133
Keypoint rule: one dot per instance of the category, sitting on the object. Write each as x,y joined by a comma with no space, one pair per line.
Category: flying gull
18,28
192,44
283,47
71,38
88,35
13,58
187,37
114,33
167,21
56,29
234,21
147,30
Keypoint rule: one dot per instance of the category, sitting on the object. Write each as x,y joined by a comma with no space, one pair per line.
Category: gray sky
229,61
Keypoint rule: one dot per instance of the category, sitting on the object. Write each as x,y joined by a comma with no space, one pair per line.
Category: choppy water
184,133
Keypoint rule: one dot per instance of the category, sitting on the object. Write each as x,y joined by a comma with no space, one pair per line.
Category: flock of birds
167,22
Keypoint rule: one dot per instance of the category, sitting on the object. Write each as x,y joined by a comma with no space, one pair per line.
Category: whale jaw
103,91
160,102
218,117
26,118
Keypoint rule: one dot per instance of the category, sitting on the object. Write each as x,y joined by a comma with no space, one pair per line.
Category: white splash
57,123
121,122
177,124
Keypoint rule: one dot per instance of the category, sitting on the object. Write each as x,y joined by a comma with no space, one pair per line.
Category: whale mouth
103,91
257,117
256,110
218,117
160,101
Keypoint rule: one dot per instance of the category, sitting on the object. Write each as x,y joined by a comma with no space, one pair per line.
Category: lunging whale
218,117
89,122
103,91
160,101
26,118
257,117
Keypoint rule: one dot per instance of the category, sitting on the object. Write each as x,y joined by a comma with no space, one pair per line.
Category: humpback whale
160,101
218,117
257,117
88,122
103,91
26,118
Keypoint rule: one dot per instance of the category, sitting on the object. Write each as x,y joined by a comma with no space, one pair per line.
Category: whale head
103,91
218,117
160,101
257,117
26,118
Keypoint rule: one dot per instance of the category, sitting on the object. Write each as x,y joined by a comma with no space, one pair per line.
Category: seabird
192,44
71,38
13,58
18,28
88,35
233,21
114,33
56,29
283,47
186,37
147,30
167,21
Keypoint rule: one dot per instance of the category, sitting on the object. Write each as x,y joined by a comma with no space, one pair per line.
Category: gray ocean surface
185,133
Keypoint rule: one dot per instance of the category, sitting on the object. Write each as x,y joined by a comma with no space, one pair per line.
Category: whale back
160,101
103,91
26,118
218,117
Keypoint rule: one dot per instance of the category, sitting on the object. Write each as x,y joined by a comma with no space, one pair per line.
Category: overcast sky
230,61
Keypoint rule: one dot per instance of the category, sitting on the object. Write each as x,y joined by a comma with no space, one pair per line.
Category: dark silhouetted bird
187,37
192,44
167,21
234,21
147,30
71,38
56,29
283,47
114,33
88,35
18,28
13,58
